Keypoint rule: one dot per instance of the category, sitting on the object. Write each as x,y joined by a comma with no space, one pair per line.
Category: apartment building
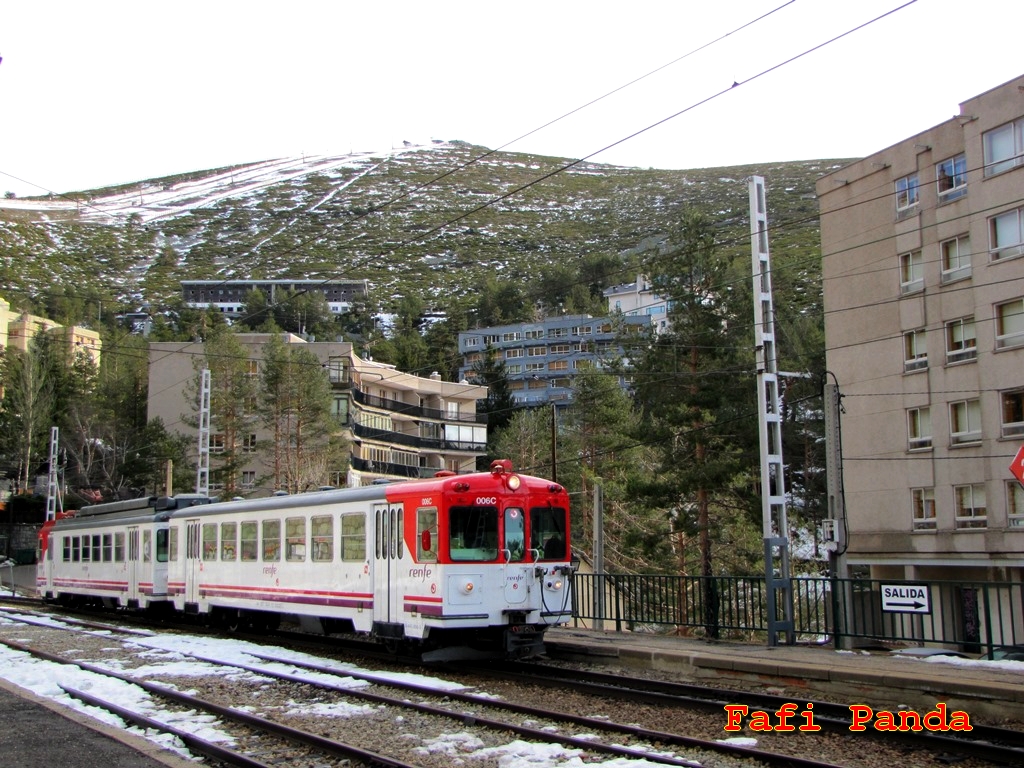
18,328
923,266
398,425
639,299
542,358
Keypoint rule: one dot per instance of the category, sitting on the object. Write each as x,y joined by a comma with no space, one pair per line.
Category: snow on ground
153,201
175,655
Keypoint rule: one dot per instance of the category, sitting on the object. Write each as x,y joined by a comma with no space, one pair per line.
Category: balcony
395,470
397,406
414,441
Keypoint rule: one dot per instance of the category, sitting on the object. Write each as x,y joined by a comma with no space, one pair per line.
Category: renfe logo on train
906,598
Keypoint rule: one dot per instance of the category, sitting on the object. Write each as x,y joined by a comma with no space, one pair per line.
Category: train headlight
554,584
467,587
514,482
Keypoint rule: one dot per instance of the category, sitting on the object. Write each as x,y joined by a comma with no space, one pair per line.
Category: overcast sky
102,92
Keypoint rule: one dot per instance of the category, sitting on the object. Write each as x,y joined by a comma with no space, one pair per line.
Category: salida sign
906,598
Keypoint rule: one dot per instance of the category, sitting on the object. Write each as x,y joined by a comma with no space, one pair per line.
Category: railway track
593,737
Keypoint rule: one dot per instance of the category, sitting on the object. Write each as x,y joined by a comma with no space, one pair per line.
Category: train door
387,544
134,565
193,565
518,560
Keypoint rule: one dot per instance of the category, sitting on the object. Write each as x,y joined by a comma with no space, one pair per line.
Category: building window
511,336
1012,413
472,341
536,334
514,369
248,479
924,508
511,353
956,258
1004,147
1006,235
919,429
965,422
915,351
217,443
537,351
559,349
558,365
492,339
971,511
951,178
530,367
907,193
1014,504
961,344
558,333
249,443
1010,324
911,272
252,368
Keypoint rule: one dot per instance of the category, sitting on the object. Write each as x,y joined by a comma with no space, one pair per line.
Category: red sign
1017,467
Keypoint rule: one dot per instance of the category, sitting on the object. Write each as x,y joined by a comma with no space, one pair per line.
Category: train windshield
547,532
473,533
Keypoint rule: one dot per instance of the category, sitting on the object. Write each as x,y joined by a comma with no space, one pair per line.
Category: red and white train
458,565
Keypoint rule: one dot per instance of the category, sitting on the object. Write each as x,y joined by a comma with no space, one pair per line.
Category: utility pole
775,527
834,528
203,463
52,486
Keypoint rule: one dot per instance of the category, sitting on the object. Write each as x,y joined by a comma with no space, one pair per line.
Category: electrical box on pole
775,527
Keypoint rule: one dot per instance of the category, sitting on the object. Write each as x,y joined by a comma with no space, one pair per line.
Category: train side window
147,546
228,541
172,546
66,556
119,547
161,545
323,538
353,537
378,538
547,532
209,541
271,541
473,533
76,549
250,544
108,547
426,538
86,549
400,535
295,539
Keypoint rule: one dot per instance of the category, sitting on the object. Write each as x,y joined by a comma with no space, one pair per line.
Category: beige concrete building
18,328
923,265
398,425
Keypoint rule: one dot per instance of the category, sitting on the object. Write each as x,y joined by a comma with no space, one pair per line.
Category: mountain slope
383,217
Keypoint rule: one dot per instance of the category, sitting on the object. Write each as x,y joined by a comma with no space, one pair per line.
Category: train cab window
473,533
249,544
172,546
162,536
515,534
547,532
209,541
228,541
295,539
271,541
108,547
119,547
353,537
66,555
147,546
426,535
323,538
76,549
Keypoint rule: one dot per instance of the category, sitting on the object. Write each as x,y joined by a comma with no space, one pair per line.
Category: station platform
885,680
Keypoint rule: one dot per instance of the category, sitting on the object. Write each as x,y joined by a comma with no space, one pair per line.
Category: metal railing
975,617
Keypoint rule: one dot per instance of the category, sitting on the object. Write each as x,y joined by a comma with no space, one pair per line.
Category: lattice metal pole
203,465
775,527
52,486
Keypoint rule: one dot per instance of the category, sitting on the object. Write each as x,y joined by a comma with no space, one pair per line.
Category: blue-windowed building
542,358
